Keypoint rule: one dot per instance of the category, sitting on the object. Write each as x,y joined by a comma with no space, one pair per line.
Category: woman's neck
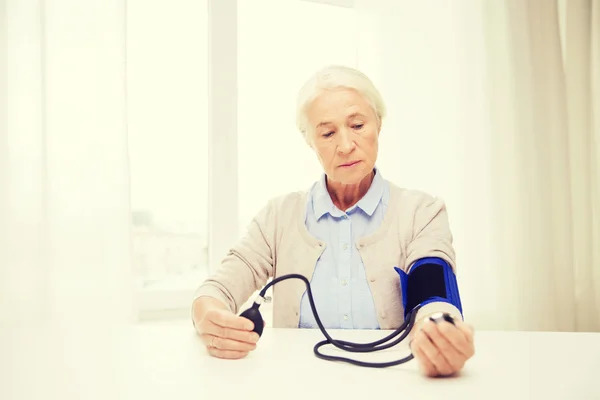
345,196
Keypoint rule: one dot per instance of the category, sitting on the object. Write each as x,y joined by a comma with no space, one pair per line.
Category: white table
168,361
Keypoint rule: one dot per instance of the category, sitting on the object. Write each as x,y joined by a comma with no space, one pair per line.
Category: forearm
246,267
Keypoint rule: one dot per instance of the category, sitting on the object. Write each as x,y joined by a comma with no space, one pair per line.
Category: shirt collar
322,203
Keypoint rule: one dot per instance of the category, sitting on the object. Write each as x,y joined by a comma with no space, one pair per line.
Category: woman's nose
346,143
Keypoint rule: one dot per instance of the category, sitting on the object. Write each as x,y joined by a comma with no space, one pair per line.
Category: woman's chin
350,175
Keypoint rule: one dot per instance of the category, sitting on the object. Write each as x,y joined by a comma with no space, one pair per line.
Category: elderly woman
352,233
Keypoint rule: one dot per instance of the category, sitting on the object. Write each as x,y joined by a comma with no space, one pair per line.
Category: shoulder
417,208
280,215
413,199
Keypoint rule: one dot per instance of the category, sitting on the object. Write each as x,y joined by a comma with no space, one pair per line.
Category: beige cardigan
277,243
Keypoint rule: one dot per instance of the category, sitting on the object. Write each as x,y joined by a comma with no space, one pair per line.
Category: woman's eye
358,126
328,134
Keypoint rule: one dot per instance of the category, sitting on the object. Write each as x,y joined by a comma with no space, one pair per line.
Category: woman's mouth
350,164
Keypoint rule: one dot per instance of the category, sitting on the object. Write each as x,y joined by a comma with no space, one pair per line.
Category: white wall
276,55
427,58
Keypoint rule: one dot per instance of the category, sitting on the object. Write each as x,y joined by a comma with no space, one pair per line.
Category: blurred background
139,138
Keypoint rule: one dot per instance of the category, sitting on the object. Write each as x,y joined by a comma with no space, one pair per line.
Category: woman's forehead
338,104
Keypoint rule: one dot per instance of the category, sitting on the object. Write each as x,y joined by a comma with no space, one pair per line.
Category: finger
466,330
230,320
455,359
426,367
456,336
227,344
227,354
230,333
433,353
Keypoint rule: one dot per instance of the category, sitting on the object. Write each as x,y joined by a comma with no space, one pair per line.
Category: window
275,57
179,162
168,140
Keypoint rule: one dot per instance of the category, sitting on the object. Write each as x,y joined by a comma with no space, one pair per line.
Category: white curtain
64,190
495,106
65,277
551,196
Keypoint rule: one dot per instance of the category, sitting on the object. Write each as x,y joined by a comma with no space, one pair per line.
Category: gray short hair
331,77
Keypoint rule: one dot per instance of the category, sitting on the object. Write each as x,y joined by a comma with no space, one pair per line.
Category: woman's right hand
225,334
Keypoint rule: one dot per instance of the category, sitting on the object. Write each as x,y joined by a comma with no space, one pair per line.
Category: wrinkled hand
227,335
442,349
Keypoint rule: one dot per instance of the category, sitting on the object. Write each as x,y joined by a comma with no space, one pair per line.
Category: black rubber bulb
254,315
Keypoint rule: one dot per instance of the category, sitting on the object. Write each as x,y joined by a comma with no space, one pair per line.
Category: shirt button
345,246
345,317
344,282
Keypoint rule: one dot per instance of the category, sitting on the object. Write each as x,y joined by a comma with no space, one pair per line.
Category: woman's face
344,132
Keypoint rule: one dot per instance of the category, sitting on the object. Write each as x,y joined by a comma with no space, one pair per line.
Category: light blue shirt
339,285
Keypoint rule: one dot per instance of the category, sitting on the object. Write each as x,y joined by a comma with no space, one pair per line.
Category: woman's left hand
442,349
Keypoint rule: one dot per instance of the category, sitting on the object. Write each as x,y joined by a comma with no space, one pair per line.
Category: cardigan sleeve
432,237
248,264
431,233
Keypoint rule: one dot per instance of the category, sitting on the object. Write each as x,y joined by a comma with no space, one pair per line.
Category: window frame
223,197
222,160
